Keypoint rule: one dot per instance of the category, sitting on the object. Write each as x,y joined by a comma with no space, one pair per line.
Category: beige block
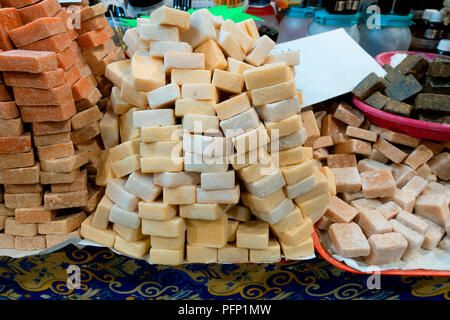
79,184
418,157
239,213
361,134
135,249
314,208
203,211
264,204
30,243
166,256
290,156
117,71
260,50
65,165
197,123
199,91
214,57
267,75
151,118
377,184
104,237
16,160
273,93
190,106
230,46
347,179
161,149
297,172
126,166
280,110
183,60
161,164
354,146
56,151
85,117
237,66
20,229
130,95
51,139
415,239
163,96
62,224
243,160
180,195
271,254
200,254
149,31
232,107
201,28
232,254
125,150
321,188
266,185
171,17
119,106
158,48
104,171
148,72
100,218
163,133
284,127
390,151
276,214
176,243
226,196
297,234
253,235
349,115
171,228
395,137
250,26
65,199
208,233
109,130
241,123
56,178
293,218
291,58
55,239
22,200
298,251
232,230
329,175
239,34
303,186
157,210
180,76
250,141
228,82
349,240
258,170
6,241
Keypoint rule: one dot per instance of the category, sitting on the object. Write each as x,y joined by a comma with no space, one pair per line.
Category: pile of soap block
52,107
392,190
197,95
416,88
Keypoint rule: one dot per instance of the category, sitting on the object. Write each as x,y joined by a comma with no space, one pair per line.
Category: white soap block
163,96
276,214
206,145
148,73
260,50
201,28
159,48
176,179
241,36
230,46
183,60
199,91
198,123
198,163
301,187
150,31
142,185
251,140
124,217
131,39
217,180
115,190
266,185
277,111
153,118
218,196
129,94
240,123
291,58
118,106
290,141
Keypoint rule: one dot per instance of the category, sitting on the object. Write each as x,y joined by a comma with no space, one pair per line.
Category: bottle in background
434,27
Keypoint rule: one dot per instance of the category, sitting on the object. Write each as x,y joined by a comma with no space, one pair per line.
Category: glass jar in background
393,34
295,23
324,21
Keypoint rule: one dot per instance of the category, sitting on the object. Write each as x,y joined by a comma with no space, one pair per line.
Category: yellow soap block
232,230
127,233
129,94
157,210
148,73
171,17
232,254
135,249
321,187
253,235
267,75
258,170
290,156
203,211
239,213
199,91
166,256
237,66
298,251
228,81
271,254
330,177
169,243
251,140
250,27
182,76
162,164
230,46
293,218
180,195
310,124
296,172
316,207
214,58
162,133
239,161
109,129
171,228
104,170
263,204
124,150
232,107
126,166
126,127
104,237
118,106
241,36
100,217
273,93
260,50
208,233
191,106
284,127
297,233
161,149
308,152
291,58
117,71
200,254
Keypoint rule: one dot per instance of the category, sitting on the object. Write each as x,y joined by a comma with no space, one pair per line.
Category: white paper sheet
331,64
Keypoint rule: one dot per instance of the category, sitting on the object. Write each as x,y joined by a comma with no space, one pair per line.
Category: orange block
95,23
45,128
37,30
17,3
95,38
80,62
8,110
72,75
44,80
48,113
66,58
28,61
81,89
9,19
56,43
4,94
15,144
43,97
45,8
34,215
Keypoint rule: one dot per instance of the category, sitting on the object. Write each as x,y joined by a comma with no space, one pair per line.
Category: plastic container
324,22
295,23
265,11
392,34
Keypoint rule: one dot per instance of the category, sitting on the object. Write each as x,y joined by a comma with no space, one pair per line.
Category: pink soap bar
9,19
386,248
349,240
376,184
37,30
373,222
44,80
48,113
28,61
55,43
45,8
43,97
340,211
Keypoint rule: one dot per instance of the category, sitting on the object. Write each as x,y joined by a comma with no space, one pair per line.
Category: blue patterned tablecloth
106,275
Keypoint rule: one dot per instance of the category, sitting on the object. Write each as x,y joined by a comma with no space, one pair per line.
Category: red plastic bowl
412,127
385,57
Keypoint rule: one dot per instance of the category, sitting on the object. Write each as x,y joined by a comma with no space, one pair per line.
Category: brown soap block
43,97
390,151
429,102
66,165
56,43
44,80
9,20
99,68
93,11
55,151
347,179
66,58
11,127
34,215
23,188
51,139
418,157
353,146
16,144
436,85
367,86
349,115
72,75
377,100
20,229
4,211
27,61
95,23
16,160
95,38
17,3
62,224
65,199
393,75
439,67
48,113
55,239
79,184
30,243
399,108
5,94
6,241
403,90
8,110
349,240
36,30
81,88
93,147
45,8
57,177
440,165
96,54
23,200
92,98
413,64
28,175
341,161
46,128
95,194
85,133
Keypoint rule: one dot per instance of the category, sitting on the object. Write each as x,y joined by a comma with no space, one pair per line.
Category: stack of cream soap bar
204,135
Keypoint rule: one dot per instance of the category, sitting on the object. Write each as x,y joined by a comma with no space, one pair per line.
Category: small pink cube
386,248
349,240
